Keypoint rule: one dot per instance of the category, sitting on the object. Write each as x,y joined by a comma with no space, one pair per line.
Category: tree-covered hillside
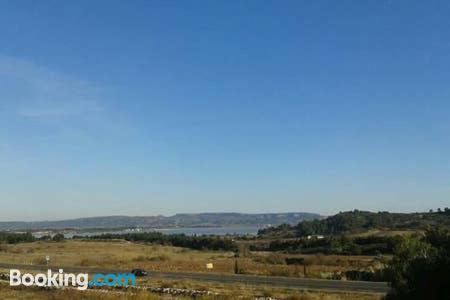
359,221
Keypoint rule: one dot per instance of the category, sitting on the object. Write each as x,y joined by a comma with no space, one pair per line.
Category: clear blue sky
159,107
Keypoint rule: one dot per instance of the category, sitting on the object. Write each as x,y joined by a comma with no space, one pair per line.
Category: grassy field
239,292
126,255
8,293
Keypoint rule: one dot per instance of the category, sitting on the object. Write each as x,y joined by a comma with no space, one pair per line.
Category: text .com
61,279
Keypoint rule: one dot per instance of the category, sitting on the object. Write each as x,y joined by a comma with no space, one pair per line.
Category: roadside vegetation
238,292
420,267
125,255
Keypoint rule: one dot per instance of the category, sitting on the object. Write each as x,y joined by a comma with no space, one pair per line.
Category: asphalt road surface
266,281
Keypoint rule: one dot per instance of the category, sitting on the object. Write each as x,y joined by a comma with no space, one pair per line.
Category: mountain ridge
159,221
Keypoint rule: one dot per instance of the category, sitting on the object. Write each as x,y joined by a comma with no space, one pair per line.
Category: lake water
212,230
244,230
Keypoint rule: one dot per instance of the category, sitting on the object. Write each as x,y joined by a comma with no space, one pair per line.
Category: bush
420,267
161,257
39,261
177,240
58,237
295,261
14,238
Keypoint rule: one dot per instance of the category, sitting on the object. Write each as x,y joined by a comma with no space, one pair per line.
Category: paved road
269,281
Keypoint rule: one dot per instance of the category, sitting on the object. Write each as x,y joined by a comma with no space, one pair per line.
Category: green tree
420,267
237,270
58,237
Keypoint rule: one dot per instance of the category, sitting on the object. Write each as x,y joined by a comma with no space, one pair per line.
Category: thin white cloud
43,93
60,110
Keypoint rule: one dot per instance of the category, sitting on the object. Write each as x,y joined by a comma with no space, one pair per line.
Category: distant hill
178,220
359,221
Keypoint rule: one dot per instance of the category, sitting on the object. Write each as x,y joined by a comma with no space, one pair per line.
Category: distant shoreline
202,220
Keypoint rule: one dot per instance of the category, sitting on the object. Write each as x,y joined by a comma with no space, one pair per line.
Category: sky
164,107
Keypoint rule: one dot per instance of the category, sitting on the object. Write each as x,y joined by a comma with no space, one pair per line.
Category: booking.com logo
61,279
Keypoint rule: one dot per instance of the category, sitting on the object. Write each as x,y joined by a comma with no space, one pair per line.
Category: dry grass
126,255
117,254
238,292
9,293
